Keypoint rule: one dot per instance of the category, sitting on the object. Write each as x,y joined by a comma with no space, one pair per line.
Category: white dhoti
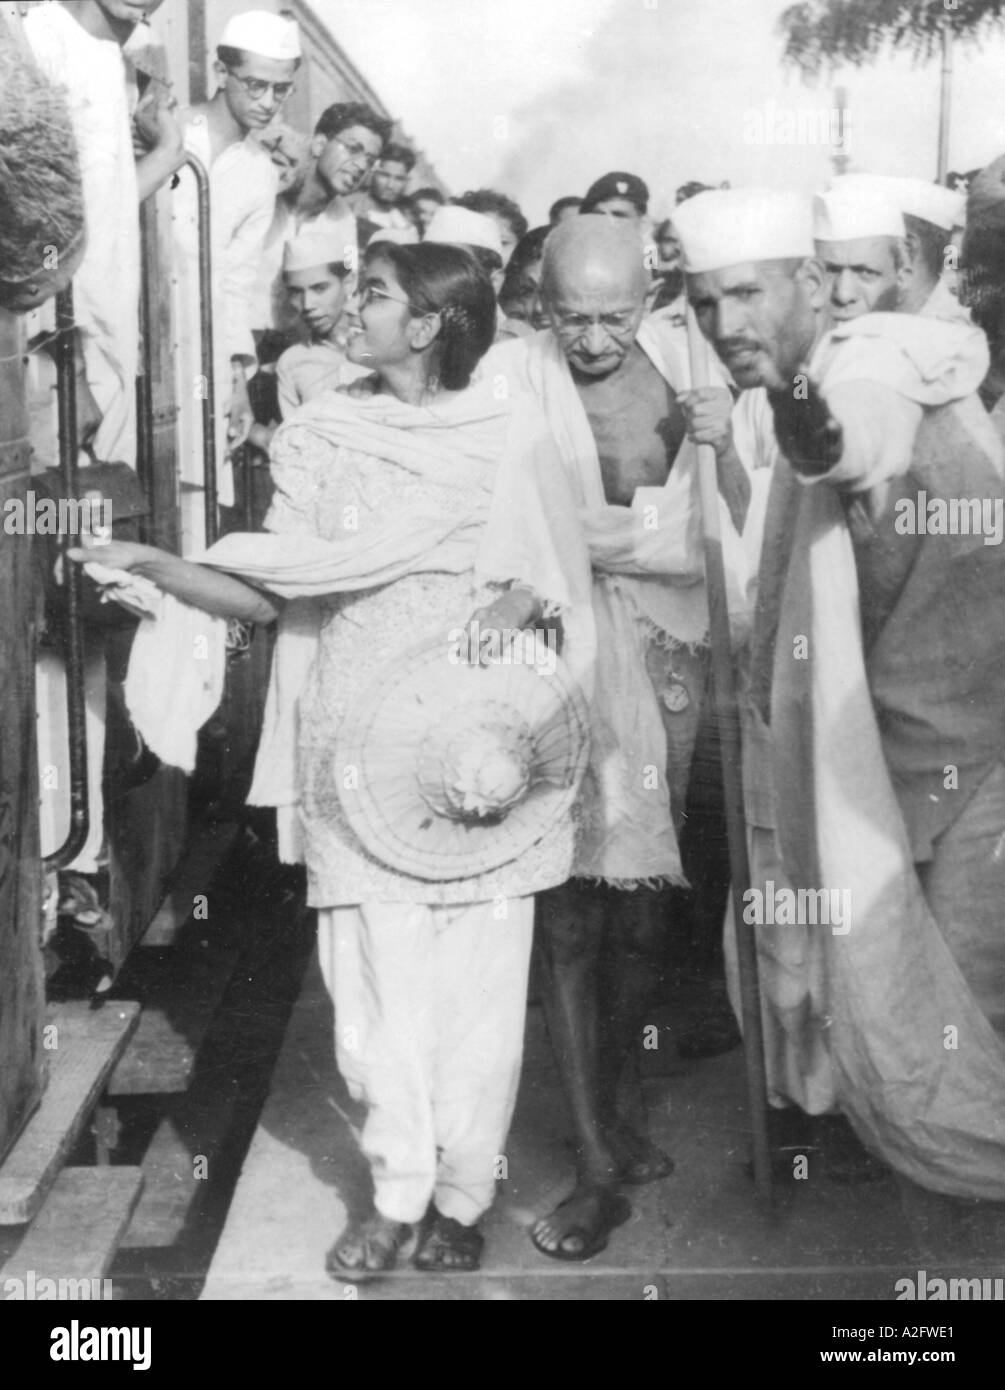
430,1004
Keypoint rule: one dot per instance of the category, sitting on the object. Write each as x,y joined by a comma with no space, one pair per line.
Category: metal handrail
144,381
76,709
206,343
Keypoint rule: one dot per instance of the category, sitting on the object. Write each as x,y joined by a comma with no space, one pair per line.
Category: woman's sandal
367,1249
447,1246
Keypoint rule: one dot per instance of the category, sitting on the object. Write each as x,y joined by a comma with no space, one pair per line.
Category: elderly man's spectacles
256,87
573,325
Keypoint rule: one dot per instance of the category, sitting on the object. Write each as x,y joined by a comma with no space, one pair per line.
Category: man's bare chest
637,427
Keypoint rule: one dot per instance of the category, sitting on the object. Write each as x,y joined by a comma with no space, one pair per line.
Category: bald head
593,286
594,252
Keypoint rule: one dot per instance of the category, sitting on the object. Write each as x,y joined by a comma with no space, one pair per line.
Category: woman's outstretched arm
223,595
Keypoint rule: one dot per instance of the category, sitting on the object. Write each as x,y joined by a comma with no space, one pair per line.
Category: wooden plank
22,997
175,1176
181,990
77,1232
82,1051
200,861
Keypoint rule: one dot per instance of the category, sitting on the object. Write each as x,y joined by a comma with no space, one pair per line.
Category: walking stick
727,716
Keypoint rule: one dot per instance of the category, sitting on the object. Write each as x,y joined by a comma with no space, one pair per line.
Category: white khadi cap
732,226
943,207
267,35
398,236
858,206
461,227
316,248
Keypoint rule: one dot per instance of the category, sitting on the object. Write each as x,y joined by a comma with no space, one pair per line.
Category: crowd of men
851,402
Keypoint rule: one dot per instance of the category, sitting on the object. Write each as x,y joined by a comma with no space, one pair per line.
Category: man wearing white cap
929,214
874,706
257,59
859,231
479,234
346,143
758,295
613,386
318,283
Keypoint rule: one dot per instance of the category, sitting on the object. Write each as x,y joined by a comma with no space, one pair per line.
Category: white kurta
107,285
243,184
306,370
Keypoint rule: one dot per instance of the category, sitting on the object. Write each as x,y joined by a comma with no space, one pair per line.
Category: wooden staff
727,715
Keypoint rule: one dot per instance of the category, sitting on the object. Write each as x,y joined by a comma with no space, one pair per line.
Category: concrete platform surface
696,1235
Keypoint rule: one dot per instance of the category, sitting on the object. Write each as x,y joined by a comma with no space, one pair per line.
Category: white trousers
430,1004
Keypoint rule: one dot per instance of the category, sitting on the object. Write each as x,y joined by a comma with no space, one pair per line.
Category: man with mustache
863,208
616,392
873,705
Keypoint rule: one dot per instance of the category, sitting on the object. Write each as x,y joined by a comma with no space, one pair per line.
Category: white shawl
517,530
648,587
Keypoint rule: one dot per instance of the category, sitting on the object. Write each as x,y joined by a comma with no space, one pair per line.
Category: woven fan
460,769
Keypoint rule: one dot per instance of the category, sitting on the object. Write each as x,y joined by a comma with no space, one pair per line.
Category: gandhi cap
315,249
264,34
942,207
733,226
858,206
454,226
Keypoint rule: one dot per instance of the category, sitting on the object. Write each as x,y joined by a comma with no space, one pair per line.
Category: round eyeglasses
256,87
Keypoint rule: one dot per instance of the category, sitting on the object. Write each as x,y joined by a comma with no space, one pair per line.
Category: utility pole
945,101
841,137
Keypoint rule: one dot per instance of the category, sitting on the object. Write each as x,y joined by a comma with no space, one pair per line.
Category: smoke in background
694,89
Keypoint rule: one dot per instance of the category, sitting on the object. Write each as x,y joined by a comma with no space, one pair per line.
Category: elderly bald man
615,388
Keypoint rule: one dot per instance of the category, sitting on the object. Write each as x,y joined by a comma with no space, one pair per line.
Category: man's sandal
613,1210
447,1246
367,1249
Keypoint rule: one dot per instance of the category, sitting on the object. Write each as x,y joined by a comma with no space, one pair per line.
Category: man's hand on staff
708,413
518,608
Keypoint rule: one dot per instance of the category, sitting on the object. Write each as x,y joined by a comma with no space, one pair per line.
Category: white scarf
517,530
648,586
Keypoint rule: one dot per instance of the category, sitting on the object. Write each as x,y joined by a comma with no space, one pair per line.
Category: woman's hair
529,248
446,280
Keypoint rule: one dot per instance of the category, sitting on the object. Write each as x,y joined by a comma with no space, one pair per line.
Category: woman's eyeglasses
256,88
370,292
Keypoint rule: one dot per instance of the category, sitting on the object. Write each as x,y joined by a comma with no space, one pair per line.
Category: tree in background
827,33
822,33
